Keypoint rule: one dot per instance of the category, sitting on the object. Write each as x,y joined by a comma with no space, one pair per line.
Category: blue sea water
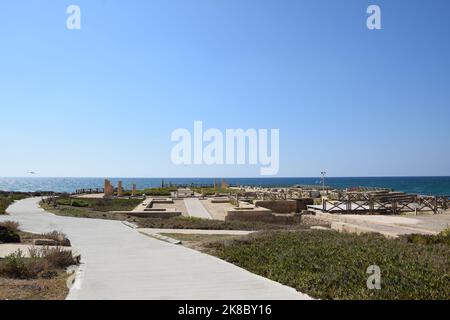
420,185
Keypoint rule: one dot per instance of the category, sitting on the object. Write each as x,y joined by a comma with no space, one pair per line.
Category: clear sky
104,100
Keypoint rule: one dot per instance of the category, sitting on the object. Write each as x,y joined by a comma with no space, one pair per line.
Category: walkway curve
121,263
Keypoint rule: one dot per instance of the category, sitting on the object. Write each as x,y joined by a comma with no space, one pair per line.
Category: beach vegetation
441,238
102,205
332,265
207,224
8,236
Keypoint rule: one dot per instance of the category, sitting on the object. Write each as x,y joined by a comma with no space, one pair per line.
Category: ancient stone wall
285,206
278,206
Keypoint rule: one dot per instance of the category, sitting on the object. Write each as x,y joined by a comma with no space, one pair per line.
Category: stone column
120,189
133,191
109,190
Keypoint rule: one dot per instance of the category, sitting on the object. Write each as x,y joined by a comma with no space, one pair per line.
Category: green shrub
7,236
64,202
79,204
442,238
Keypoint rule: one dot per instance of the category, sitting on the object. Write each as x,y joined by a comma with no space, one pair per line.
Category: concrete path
196,209
121,263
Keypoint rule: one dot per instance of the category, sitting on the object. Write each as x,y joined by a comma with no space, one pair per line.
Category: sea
419,185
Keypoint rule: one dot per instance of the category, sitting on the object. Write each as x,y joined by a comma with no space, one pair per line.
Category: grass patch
205,224
34,289
212,191
441,238
102,205
200,237
42,276
332,265
200,242
92,208
83,213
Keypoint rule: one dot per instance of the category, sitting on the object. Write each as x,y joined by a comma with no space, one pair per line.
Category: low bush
19,267
441,238
8,236
10,225
57,257
206,224
59,237
42,263
102,205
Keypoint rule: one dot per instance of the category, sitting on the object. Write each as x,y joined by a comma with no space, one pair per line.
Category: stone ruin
108,189
120,189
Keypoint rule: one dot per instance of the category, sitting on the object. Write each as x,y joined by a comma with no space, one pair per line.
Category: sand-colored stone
108,189
120,189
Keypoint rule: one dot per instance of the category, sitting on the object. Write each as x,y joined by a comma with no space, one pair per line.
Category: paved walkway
121,263
196,209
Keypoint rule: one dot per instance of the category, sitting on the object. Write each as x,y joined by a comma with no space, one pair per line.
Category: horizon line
220,177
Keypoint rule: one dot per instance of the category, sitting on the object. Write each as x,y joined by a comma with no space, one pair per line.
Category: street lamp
323,173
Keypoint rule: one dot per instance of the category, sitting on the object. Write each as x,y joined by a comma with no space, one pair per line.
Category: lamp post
323,173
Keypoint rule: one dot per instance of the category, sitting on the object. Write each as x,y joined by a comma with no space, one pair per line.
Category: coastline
420,185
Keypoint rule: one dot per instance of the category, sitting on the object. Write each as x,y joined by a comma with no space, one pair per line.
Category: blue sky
104,100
